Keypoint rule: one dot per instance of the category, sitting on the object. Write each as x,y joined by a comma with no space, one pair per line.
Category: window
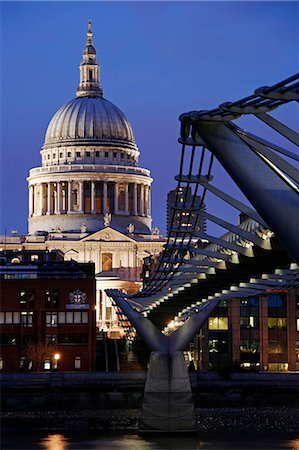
26,319
277,323
51,298
248,322
54,155
69,154
51,339
297,324
218,323
48,156
97,154
223,304
8,317
90,74
77,362
78,154
22,362
60,155
218,346
9,339
26,299
278,367
277,346
276,301
47,364
249,346
114,155
106,262
1,363
34,258
51,319
75,338
106,154
122,155
87,154
73,317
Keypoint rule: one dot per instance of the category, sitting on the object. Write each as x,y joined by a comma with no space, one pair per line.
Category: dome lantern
89,70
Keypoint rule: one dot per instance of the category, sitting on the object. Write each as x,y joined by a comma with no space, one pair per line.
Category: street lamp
56,359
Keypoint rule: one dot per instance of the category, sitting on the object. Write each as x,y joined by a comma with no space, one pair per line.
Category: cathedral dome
89,118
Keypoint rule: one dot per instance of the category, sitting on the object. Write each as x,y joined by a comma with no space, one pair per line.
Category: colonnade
89,197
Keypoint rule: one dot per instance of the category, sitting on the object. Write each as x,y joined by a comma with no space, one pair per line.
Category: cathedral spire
89,70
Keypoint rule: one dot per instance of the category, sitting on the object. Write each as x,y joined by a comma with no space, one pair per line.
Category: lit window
47,364
1,363
297,324
77,362
51,319
249,322
278,323
249,346
218,323
34,258
26,319
277,346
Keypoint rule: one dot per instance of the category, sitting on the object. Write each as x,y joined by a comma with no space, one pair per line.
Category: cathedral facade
89,198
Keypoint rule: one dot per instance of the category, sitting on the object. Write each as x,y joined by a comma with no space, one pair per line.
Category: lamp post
56,359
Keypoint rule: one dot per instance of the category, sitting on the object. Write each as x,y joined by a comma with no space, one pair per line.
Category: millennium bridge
197,270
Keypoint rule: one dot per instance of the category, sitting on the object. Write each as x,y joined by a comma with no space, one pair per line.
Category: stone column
42,198
93,197
49,206
115,198
126,198
31,202
149,200
142,200
81,197
135,209
35,201
104,197
58,202
69,196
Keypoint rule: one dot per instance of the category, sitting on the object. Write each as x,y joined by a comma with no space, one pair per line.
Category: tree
37,352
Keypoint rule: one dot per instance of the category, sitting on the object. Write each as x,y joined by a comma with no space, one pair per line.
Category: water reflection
294,444
55,442
37,440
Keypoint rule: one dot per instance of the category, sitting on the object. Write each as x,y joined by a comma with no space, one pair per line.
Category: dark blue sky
158,59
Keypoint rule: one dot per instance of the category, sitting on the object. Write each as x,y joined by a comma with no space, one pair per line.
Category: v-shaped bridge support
167,404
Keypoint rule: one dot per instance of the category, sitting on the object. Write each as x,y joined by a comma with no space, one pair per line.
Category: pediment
108,234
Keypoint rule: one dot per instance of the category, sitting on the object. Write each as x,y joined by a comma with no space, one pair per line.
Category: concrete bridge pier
167,403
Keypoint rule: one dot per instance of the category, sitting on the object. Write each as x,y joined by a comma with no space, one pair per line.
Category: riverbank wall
117,390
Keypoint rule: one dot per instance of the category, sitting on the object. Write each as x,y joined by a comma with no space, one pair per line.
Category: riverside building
47,312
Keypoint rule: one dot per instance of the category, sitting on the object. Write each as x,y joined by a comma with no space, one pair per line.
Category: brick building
47,312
